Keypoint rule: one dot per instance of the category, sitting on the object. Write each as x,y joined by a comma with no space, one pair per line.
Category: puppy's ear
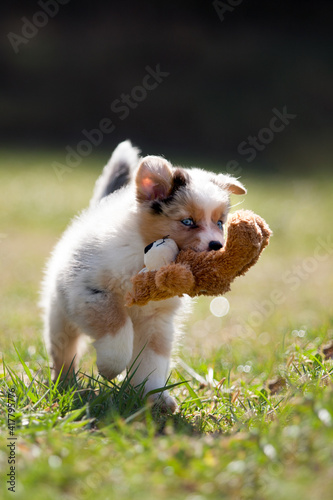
153,179
230,184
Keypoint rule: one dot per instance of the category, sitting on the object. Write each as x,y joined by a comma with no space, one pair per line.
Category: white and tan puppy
136,201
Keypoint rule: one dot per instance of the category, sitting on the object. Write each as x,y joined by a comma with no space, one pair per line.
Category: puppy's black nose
215,245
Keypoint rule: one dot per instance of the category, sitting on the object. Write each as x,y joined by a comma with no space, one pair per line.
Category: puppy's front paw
163,401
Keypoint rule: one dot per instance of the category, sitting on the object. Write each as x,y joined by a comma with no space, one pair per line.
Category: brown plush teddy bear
205,273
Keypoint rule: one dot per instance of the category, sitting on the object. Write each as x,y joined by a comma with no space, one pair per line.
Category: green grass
254,389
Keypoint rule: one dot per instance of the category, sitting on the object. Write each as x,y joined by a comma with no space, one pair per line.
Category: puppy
135,202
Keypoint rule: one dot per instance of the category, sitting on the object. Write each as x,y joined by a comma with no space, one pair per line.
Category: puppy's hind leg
64,343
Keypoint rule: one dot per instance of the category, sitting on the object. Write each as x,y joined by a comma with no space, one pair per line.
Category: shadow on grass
87,402
108,403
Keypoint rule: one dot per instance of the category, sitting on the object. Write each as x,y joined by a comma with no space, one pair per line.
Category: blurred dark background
229,67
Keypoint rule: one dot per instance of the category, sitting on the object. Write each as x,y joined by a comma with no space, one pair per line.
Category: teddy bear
200,273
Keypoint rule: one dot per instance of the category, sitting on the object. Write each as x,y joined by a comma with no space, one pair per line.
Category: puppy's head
190,205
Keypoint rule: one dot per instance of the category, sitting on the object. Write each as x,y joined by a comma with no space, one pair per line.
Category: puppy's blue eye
188,222
220,224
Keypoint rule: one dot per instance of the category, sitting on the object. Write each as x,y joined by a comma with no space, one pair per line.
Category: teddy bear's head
160,253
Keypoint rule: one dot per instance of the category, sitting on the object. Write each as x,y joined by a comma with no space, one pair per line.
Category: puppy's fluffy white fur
135,202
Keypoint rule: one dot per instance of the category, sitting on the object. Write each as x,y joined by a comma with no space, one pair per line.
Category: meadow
254,385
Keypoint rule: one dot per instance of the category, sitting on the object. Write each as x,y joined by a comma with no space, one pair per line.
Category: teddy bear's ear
153,179
230,184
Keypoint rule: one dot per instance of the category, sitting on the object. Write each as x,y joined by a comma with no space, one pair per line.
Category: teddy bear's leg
151,356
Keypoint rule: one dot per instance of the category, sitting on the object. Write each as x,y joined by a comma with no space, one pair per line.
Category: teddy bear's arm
168,281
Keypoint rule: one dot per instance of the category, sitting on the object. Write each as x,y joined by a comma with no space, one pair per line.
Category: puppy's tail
117,172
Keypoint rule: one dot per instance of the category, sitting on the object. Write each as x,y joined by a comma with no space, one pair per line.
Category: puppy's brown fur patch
104,316
160,345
